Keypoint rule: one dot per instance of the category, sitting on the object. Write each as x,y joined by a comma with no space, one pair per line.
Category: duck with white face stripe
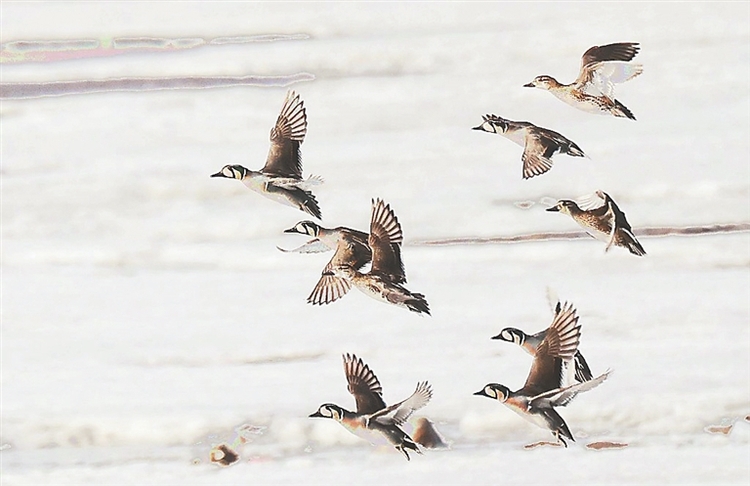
281,178
384,282
531,342
539,144
351,249
326,239
546,387
373,421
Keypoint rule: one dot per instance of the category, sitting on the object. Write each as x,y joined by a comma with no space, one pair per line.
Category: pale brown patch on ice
223,455
523,204
597,446
719,429
541,443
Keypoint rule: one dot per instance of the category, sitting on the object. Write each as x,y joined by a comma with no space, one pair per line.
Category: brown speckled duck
593,91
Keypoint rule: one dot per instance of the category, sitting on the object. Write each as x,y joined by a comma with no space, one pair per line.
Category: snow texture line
62,88
45,51
573,235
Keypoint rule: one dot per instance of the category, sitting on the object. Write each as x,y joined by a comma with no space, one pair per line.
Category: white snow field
147,314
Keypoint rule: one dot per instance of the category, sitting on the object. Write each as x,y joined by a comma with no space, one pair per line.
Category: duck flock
372,261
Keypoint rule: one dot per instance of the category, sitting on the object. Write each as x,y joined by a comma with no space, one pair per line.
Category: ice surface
147,314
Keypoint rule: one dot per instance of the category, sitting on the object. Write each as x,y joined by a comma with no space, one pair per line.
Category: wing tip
383,216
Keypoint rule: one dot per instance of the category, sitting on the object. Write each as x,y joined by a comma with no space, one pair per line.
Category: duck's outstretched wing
622,233
330,286
562,396
620,51
363,385
399,413
284,158
603,76
535,159
385,242
556,350
604,66
312,246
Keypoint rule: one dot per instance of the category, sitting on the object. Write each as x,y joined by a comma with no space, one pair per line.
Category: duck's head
329,410
494,390
542,82
564,206
511,335
305,228
492,124
231,172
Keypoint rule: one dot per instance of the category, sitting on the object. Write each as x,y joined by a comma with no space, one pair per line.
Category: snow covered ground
147,314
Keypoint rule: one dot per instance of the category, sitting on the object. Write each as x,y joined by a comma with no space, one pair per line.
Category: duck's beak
218,174
528,85
316,414
480,393
553,209
290,230
477,128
